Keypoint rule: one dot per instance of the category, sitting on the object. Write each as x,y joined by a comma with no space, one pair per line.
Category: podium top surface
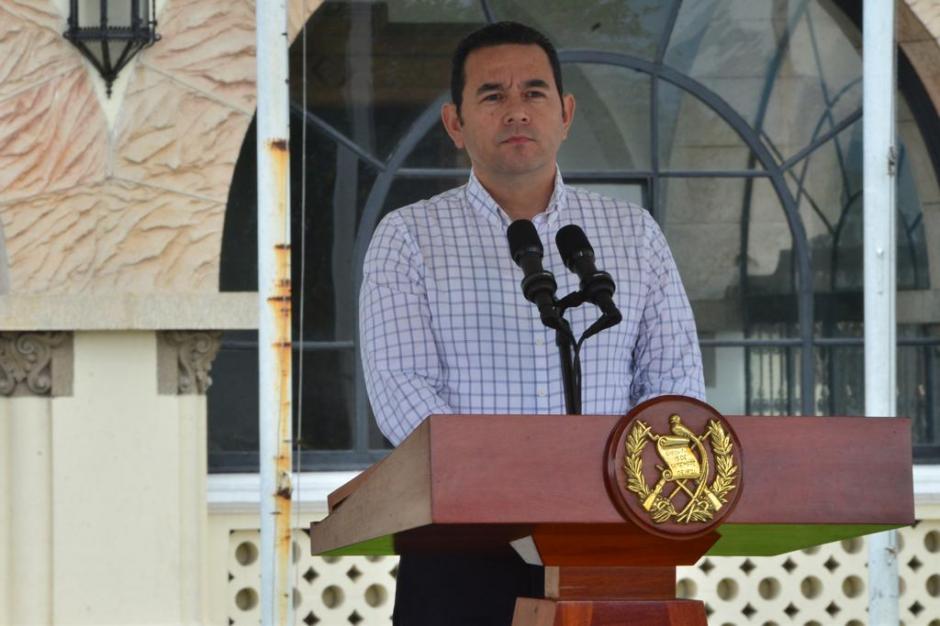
493,478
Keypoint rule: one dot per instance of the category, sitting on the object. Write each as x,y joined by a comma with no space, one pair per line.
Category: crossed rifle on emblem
682,465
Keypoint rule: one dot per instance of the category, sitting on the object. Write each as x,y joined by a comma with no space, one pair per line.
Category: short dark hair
498,34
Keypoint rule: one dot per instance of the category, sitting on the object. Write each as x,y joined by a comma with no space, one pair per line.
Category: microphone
578,256
538,285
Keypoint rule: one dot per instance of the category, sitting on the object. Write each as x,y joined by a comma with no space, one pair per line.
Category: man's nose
516,113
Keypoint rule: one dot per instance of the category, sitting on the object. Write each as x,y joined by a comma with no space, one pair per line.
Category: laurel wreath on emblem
705,500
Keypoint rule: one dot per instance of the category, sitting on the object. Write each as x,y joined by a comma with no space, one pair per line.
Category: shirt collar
481,200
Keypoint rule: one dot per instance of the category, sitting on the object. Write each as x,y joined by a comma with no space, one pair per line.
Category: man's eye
536,94
493,97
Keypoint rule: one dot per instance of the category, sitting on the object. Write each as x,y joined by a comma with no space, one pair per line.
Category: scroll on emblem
688,479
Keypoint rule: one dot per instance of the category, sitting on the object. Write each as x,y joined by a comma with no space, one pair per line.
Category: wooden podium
464,483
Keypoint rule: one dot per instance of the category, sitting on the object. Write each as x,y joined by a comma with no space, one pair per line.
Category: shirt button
540,341
542,393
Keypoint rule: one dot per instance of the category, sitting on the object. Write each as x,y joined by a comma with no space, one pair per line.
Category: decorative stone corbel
35,363
185,359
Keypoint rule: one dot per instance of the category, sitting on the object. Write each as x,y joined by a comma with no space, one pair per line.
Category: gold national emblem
682,493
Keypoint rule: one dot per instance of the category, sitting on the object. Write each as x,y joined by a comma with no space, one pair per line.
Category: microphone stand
538,286
563,339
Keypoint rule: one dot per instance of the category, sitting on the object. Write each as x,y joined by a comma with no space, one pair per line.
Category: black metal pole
572,390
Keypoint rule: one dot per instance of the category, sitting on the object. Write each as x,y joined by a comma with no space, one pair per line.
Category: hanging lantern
110,32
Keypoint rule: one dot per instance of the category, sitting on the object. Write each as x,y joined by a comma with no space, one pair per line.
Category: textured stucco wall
125,194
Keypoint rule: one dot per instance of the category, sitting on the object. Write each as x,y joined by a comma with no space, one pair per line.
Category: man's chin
524,168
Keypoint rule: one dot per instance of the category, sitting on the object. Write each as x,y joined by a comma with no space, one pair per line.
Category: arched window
737,124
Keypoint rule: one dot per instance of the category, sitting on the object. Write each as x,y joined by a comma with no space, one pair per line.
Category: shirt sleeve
402,369
666,358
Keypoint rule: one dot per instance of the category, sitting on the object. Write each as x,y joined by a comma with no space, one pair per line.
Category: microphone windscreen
523,238
572,242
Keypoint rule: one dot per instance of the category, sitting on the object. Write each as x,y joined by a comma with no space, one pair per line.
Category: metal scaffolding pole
880,164
274,318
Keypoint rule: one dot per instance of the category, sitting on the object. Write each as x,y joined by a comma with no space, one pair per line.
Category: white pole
880,161
274,319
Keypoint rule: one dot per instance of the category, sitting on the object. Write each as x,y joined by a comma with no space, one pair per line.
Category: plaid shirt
444,327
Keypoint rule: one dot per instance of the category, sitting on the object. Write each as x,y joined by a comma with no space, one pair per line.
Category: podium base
546,612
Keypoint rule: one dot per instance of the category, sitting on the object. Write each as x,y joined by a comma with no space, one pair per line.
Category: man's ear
567,112
452,124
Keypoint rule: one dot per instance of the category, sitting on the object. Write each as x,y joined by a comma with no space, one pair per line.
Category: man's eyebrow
532,82
489,87
535,82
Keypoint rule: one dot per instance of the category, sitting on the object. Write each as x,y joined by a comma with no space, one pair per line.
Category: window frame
772,168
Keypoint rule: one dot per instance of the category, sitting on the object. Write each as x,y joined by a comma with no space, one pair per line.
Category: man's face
511,121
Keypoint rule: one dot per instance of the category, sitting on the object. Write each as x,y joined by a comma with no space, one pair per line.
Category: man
445,329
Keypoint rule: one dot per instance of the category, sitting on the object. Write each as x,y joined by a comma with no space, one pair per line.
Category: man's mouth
517,139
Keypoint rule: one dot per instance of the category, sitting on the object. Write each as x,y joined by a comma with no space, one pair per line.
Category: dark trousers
463,590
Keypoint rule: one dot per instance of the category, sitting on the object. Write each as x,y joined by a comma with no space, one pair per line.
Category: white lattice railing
822,586
330,591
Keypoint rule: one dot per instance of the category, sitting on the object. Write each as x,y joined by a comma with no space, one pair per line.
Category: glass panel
819,81
335,194
728,45
923,172
96,48
840,377
913,269
918,200
232,398
626,192
771,261
612,117
919,381
373,67
913,398
784,66
701,221
772,378
89,13
329,402
707,220
724,375
119,13
927,422
828,188
694,210
692,136
437,150
632,27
